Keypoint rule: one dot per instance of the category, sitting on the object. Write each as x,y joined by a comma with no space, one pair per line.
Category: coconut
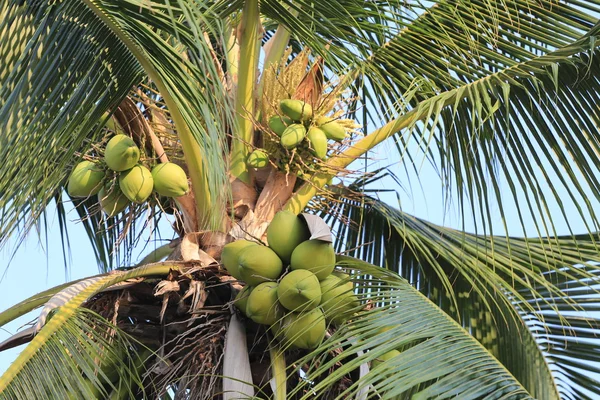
241,300
278,124
136,183
170,180
85,180
259,158
304,330
230,256
332,129
285,232
314,255
384,357
259,264
297,110
338,299
318,142
112,200
262,306
293,136
299,291
121,153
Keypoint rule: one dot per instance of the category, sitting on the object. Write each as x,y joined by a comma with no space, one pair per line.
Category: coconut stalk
246,79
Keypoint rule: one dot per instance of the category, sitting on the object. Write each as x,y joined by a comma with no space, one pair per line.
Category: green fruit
259,264
338,300
293,136
278,124
259,158
241,300
170,180
384,357
332,129
230,256
121,153
85,180
285,232
136,183
297,110
263,307
304,330
318,142
299,291
314,255
112,200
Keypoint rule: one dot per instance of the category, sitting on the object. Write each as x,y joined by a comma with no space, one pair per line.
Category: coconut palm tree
498,96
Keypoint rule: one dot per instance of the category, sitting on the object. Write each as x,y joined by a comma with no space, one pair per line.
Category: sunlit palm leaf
496,287
438,358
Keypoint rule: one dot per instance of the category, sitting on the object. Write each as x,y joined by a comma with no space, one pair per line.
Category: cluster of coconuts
291,285
296,125
135,181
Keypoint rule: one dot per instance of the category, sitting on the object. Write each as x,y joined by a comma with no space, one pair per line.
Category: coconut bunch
297,128
134,181
291,284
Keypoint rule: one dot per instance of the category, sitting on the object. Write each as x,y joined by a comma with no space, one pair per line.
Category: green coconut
318,142
259,158
293,136
338,300
230,256
285,232
136,183
170,180
278,124
299,291
332,129
85,180
304,330
262,305
314,255
121,153
112,200
297,110
241,300
384,357
259,264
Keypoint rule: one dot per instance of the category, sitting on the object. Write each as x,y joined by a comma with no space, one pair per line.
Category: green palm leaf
438,359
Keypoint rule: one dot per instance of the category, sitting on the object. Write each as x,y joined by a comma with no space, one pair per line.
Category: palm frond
496,287
437,359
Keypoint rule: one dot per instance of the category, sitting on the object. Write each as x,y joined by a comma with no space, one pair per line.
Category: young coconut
338,299
297,110
241,300
318,142
230,256
259,264
278,124
384,357
293,136
85,179
299,291
170,180
259,158
121,153
332,129
136,183
304,330
314,255
262,306
285,232
112,200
